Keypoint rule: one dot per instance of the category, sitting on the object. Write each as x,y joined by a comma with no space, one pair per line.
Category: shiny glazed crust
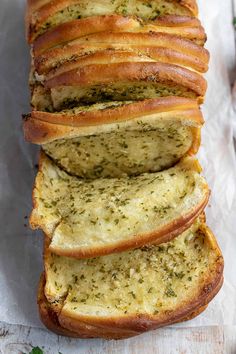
39,11
71,324
161,47
44,127
182,26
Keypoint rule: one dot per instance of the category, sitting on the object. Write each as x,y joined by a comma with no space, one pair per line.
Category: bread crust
168,74
164,234
43,127
131,325
39,11
161,47
183,26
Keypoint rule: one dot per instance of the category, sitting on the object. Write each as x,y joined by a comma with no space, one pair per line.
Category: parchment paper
21,249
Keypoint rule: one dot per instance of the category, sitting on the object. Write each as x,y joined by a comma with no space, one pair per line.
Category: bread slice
124,81
88,218
43,15
115,139
159,47
50,319
126,294
181,26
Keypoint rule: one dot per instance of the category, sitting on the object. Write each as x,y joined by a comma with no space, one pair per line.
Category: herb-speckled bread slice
50,320
106,47
87,218
124,81
115,139
126,294
43,15
181,26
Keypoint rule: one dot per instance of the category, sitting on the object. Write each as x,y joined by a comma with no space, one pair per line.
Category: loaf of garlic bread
115,92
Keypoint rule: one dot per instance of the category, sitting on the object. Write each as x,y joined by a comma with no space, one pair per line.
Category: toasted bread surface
50,320
86,218
122,295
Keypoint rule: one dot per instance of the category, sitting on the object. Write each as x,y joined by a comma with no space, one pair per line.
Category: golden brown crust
162,73
131,325
178,21
191,5
104,54
71,30
157,46
39,11
92,56
41,132
44,127
47,315
183,26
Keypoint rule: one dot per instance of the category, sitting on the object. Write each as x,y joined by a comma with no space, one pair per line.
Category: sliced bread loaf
181,26
106,47
126,294
123,81
87,218
115,139
43,15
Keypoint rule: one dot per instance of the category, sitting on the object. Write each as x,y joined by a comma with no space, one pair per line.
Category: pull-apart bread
42,15
181,26
115,139
112,47
121,81
115,92
126,294
87,218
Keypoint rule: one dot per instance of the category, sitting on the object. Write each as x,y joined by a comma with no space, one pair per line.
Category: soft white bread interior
126,294
115,139
50,319
43,15
87,218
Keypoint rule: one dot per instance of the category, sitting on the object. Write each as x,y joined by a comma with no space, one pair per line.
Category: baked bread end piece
178,293
50,320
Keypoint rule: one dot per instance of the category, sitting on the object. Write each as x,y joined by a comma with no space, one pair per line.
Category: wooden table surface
203,340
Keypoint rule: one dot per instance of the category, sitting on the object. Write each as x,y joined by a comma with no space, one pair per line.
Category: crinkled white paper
21,249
